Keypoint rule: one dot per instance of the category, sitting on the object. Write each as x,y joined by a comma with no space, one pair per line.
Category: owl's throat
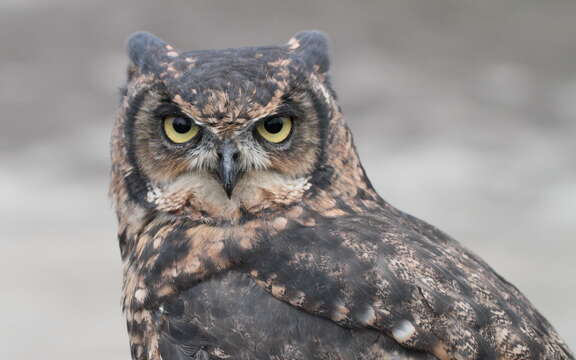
203,196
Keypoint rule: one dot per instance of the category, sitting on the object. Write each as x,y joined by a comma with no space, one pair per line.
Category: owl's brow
169,108
286,108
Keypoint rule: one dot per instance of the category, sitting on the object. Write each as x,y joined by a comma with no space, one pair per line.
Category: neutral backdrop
464,113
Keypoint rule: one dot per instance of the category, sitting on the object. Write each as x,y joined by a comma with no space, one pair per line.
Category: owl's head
222,133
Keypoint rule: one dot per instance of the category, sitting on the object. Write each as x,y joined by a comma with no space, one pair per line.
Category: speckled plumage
304,260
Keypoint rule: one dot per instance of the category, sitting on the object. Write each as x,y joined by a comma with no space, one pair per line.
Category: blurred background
464,113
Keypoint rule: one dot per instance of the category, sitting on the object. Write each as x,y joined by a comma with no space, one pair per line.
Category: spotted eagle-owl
249,230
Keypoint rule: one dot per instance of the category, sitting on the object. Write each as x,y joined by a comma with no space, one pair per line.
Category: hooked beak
228,170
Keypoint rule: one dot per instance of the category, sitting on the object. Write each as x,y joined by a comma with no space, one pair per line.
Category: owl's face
224,129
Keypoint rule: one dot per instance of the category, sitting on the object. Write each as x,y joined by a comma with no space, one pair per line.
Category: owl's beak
228,169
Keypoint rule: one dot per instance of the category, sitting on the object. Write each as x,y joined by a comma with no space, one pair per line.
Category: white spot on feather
403,331
368,317
141,295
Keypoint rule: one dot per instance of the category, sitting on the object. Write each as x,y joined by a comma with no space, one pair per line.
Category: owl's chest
183,296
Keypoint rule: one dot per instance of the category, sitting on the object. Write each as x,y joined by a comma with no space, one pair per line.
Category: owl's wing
230,317
402,277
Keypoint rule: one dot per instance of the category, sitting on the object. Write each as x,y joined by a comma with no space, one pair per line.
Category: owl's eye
276,129
180,129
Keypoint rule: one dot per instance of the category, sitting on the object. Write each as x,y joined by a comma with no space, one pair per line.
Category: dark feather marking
136,183
322,175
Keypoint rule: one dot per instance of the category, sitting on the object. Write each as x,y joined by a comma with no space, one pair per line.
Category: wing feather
398,275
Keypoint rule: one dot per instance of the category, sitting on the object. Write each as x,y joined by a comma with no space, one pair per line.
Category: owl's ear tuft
146,51
312,47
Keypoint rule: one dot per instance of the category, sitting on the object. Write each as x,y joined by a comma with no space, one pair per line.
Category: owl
248,228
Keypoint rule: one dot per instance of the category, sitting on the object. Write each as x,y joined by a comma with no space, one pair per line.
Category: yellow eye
180,129
276,129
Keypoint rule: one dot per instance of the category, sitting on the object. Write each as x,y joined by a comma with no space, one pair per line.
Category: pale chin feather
203,192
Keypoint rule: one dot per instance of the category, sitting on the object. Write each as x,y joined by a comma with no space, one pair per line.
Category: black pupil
273,126
181,125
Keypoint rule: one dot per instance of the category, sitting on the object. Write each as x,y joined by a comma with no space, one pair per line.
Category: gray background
463,111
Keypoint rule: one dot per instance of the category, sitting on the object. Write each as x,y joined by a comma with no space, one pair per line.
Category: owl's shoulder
391,271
